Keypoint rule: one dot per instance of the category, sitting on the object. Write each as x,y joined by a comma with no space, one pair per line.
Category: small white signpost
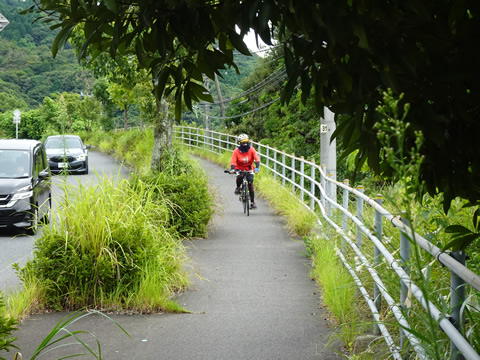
16,120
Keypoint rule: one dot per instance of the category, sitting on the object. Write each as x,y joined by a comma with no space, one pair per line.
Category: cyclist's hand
232,171
257,170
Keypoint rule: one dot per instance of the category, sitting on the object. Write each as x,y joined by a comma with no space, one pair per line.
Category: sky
252,44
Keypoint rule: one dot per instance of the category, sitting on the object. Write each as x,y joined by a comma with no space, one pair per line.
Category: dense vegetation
346,55
133,258
28,71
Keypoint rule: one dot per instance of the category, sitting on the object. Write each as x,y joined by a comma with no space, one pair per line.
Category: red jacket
244,161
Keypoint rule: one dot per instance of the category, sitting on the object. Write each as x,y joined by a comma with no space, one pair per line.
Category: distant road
17,247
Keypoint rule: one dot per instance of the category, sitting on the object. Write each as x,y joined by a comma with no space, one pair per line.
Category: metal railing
319,192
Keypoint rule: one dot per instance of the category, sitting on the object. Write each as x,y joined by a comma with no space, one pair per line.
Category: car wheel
32,230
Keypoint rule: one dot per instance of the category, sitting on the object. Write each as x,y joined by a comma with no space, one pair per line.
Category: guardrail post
323,183
405,260
302,176
312,186
377,260
283,168
345,201
189,138
274,164
457,289
345,206
267,156
359,234
330,189
182,138
293,173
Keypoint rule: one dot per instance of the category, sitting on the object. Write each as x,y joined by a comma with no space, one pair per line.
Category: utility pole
220,99
328,149
207,106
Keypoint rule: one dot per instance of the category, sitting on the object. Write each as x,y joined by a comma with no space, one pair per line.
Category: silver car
67,153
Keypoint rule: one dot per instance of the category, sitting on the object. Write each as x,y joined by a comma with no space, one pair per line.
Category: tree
90,110
123,97
347,51
100,92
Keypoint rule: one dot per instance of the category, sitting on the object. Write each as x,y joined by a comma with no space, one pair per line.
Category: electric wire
260,85
243,114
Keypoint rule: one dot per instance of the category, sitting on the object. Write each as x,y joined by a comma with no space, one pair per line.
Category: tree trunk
162,135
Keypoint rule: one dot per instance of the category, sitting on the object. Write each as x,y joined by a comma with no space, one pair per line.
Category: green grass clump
109,248
8,325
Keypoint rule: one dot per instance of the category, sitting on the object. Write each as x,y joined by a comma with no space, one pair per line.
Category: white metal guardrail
318,192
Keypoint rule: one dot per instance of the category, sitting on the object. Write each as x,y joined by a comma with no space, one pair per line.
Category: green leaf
238,43
186,96
201,92
359,32
462,242
178,104
61,39
457,229
111,5
289,60
475,219
288,90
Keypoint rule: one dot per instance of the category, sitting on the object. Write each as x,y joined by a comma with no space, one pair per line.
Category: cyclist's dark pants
250,185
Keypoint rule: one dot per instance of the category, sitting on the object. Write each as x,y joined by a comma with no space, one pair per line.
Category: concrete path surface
251,298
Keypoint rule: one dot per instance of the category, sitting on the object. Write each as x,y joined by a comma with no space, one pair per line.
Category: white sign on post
16,120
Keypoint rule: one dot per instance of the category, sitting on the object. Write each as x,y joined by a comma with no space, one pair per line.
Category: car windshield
63,143
14,164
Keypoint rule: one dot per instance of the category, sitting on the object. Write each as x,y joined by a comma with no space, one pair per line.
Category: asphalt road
17,247
251,297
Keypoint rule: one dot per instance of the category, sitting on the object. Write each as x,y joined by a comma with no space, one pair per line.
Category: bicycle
244,195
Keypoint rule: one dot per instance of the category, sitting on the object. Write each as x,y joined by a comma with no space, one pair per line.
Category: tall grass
337,287
108,248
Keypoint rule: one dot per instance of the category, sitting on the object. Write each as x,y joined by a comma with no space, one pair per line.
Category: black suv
25,184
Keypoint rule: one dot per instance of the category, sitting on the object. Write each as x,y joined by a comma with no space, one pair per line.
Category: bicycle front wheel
247,201
244,201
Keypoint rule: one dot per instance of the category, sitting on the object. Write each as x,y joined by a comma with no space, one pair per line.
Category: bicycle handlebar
237,172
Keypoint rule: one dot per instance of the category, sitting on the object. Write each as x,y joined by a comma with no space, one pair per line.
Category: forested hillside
28,72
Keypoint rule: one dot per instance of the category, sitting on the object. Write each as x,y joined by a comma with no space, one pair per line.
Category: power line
279,74
246,113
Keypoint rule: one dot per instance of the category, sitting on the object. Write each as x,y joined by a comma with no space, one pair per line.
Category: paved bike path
251,298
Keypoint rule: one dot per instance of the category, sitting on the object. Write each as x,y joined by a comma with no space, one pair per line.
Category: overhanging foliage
346,50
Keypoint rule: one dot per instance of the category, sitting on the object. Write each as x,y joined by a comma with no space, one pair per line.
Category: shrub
7,326
183,187
107,243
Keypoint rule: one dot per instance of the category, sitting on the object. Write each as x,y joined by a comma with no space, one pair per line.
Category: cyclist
242,159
